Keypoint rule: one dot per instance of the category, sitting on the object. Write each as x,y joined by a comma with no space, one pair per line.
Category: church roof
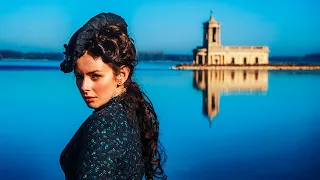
211,20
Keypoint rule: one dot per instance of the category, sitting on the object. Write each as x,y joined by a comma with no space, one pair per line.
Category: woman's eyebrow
92,72
89,73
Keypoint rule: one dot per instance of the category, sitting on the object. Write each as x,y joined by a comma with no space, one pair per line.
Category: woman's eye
95,76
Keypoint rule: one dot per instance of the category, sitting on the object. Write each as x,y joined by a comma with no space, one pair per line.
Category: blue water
270,131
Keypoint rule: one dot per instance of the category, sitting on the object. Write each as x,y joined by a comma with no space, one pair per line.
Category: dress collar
113,100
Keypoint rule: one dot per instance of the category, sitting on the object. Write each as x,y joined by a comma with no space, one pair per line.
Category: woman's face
95,80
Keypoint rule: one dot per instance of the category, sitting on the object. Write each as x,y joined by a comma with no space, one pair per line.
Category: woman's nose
86,84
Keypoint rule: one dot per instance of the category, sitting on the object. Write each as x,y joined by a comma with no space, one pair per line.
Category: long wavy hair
117,49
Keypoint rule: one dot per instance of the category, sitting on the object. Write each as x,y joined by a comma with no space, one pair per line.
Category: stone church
213,53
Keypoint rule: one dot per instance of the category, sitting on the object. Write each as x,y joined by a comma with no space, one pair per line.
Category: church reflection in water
214,82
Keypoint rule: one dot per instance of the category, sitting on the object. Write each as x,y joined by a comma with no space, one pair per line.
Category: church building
213,53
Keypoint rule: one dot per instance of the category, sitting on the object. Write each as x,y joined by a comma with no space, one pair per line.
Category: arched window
257,60
232,75
245,60
232,60
214,30
244,75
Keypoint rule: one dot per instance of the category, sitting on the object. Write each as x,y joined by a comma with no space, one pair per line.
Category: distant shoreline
25,59
248,67
142,56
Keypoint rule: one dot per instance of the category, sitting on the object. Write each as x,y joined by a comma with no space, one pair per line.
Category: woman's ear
123,75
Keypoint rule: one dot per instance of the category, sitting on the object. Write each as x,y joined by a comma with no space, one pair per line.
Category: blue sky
287,27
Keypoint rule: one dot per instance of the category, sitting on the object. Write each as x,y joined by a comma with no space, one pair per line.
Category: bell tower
211,37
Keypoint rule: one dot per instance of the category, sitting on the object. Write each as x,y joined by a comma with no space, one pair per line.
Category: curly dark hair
111,42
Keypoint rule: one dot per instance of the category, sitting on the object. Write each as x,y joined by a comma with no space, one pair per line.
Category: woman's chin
92,105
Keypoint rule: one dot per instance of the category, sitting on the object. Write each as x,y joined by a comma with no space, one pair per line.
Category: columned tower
211,36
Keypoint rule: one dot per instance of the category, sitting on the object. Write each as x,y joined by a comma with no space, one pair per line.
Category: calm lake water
214,124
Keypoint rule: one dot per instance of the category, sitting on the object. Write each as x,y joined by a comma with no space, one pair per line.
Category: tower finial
211,16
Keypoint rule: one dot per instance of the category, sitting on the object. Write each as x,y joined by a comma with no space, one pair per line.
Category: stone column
203,59
210,34
218,36
197,58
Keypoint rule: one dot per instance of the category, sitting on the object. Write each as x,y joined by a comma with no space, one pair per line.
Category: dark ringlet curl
114,47
105,36
76,46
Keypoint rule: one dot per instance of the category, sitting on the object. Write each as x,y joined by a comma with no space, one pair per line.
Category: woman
120,139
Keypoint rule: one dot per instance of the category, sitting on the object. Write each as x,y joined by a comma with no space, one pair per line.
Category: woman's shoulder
113,123
116,114
113,111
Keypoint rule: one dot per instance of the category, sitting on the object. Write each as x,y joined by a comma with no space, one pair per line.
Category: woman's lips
89,99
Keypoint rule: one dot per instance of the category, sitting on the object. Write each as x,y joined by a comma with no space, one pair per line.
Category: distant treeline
149,55
311,56
8,54
144,56
307,59
314,55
